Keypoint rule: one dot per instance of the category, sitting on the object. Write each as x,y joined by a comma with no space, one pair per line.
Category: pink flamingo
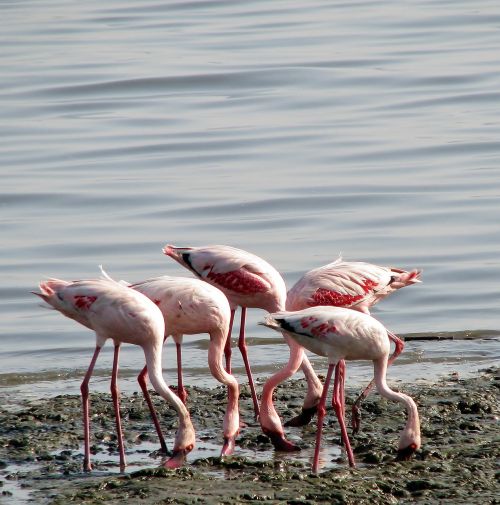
191,306
125,316
349,284
341,334
247,281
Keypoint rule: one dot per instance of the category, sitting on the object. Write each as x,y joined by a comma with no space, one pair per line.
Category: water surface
295,130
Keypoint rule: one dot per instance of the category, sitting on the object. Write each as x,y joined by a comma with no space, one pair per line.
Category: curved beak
280,442
406,453
228,446
177,460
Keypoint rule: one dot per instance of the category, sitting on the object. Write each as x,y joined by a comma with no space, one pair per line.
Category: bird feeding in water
189,307
248,281
338,334
350,284
119,313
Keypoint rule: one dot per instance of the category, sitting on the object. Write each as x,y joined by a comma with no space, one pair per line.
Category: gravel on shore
41,451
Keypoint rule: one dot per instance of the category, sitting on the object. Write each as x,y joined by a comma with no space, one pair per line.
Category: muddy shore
41,452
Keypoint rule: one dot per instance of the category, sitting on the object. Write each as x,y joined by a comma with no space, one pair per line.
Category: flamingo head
408,445
178,457
280,442
228,446
184,444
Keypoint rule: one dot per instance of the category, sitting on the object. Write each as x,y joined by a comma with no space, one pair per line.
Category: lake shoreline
40,451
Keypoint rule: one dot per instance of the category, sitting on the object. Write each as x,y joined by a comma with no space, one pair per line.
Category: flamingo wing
225,267
340,284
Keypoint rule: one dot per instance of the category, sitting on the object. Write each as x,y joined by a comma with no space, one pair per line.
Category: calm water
296,130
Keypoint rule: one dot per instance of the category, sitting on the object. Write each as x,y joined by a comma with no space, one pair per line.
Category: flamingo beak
304,418
228,446
280,442
406,453
178,459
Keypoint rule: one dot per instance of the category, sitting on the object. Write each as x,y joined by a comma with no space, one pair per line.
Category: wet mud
41,451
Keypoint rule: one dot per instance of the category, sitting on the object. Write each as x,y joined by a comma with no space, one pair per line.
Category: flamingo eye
189,447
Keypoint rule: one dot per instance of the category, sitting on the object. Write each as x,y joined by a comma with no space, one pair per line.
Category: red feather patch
83,302
239,281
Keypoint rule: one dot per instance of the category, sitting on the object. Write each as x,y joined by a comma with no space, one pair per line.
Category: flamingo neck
185,434
410,436
215,363
269,418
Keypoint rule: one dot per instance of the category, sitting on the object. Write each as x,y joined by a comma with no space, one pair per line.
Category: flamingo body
343,334
246,280
350,284
189,306
116,312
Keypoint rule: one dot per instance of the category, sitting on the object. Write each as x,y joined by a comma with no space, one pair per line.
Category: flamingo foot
280,442
304,418
227,447
177,460
406,453
87,466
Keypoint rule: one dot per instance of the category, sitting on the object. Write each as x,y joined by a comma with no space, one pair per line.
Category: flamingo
350,284
191,306
125,316
340,334
248,282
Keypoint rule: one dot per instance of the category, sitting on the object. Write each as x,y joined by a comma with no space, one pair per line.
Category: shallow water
296,130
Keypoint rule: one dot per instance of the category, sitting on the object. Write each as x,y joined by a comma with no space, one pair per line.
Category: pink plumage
350,284
247,280
341,334
119,313
190,307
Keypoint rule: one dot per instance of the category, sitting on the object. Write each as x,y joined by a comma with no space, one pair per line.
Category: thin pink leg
243,349
321,411
115,394
338,402
181,392
84,388
356,416
142,379
227,347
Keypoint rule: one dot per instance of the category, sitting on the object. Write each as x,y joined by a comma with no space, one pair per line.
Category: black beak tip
406,453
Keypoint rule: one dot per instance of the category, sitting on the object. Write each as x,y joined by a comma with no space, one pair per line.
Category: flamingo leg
314,390
227,347
338,402
181,392
243,349
321,410
84,388
356,415
115,394
142,379
269,419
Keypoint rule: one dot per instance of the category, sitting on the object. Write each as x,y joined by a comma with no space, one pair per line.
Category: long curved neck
152,354
215,363
411,432
268,415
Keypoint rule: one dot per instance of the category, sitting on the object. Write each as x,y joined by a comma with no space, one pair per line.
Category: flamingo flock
326,312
